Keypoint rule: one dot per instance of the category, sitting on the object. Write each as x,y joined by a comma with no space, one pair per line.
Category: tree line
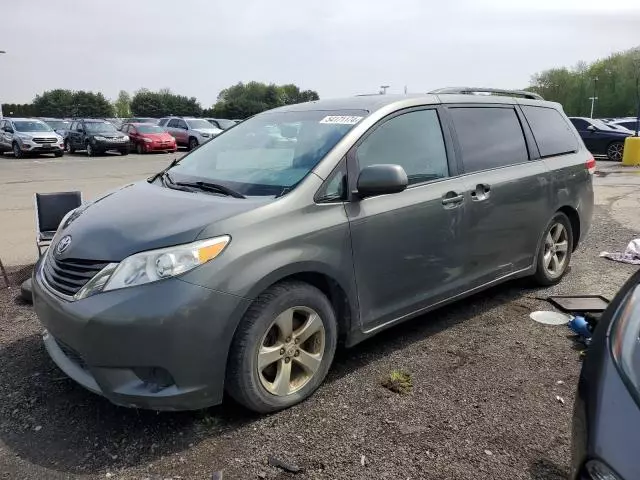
237,102
613,80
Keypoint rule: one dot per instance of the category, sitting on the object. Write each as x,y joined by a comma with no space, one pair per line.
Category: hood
211,131
157,136
144,216
107,134
38,134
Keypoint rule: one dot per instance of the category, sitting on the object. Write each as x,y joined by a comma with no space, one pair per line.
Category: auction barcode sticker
341,119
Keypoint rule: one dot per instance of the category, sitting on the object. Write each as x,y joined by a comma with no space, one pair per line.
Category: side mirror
591,128
381,180
8,129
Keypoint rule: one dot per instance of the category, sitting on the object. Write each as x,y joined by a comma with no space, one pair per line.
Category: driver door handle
452,199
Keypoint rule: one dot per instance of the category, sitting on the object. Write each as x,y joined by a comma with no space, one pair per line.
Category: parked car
240,266
221,123
153,121
189,132
96,137
29,136
628,123
59,125
600,138
606,419
144,138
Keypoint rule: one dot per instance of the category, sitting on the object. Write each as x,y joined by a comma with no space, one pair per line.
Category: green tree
65,103
613,79
18,109
123,105
246,99
162,103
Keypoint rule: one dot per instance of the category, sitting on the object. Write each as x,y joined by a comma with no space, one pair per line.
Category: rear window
490,137
551,131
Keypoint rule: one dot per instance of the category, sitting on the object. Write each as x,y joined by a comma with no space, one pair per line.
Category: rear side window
490,137
412,140
551,131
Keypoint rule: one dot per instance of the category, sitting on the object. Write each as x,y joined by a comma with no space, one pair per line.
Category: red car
144,138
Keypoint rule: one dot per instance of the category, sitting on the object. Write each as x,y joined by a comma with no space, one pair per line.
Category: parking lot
492,391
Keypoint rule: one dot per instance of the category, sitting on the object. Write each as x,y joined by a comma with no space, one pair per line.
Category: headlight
154,265
59,138
625,341
99,137
23,136
147,140
124,139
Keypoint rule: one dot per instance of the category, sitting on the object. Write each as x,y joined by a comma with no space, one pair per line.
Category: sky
336,47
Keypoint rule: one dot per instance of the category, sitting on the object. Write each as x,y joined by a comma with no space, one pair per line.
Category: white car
29,135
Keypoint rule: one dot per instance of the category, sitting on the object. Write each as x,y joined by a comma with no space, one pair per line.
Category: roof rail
491,91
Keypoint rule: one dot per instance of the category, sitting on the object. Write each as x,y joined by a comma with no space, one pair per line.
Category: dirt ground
492,399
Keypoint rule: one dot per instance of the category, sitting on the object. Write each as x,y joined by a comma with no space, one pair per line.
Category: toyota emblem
63,244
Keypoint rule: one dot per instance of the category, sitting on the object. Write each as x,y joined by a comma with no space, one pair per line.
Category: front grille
68,276
71,354
44,140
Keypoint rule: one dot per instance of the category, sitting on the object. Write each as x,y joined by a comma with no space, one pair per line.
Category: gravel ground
484,401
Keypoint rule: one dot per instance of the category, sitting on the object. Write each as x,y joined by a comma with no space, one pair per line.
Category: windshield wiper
211,187
173,163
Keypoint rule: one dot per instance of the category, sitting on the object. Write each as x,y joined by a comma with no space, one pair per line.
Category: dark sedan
600,138
606,421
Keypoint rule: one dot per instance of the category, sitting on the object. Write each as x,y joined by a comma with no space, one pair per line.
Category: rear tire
554,254
615,151
264,327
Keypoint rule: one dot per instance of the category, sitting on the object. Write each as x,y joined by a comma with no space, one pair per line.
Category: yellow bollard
631,154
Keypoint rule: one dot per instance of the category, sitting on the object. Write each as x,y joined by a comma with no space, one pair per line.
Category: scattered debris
580,326
217,475
262,475
398,381
488,452
109,475
288,467
560,399
631,254
38,428
363,460
560,382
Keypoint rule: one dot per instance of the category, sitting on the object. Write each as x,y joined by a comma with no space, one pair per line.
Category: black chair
50,210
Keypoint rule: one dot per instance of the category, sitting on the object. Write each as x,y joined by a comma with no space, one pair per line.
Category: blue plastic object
580,326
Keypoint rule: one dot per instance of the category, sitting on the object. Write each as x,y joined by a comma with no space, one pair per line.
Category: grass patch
398,381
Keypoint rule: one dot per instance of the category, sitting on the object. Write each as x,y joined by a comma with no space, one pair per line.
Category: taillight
591,165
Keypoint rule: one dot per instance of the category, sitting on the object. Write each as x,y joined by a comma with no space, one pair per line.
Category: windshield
599,124
58,124
199,123
224,123
269,153
102,127
149,129
31,126
145,120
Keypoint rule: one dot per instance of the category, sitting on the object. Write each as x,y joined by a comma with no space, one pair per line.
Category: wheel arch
574,219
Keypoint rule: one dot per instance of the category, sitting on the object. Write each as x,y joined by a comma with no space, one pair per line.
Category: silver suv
29,135
189,132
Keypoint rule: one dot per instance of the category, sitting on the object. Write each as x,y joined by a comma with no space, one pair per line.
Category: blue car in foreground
606,420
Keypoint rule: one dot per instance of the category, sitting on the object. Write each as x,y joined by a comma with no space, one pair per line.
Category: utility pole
594,98
1,52
383,89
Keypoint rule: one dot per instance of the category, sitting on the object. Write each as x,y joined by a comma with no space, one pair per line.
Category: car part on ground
347,217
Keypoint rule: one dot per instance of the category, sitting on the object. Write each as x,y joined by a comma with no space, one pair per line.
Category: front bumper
159,147
161,346
110,145
41,147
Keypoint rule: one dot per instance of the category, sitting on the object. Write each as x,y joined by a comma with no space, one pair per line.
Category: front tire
58,154
139,149
124,152
283,348
90,150
615,151
17,152
193,144
554,255
70,147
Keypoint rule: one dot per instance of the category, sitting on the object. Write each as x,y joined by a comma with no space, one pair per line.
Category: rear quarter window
551,131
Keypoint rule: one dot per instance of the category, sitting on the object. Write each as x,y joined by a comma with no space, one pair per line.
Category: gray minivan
240,267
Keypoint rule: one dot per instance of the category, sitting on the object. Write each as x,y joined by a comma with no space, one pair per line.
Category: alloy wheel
615,151
89,150
556,247
291,351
